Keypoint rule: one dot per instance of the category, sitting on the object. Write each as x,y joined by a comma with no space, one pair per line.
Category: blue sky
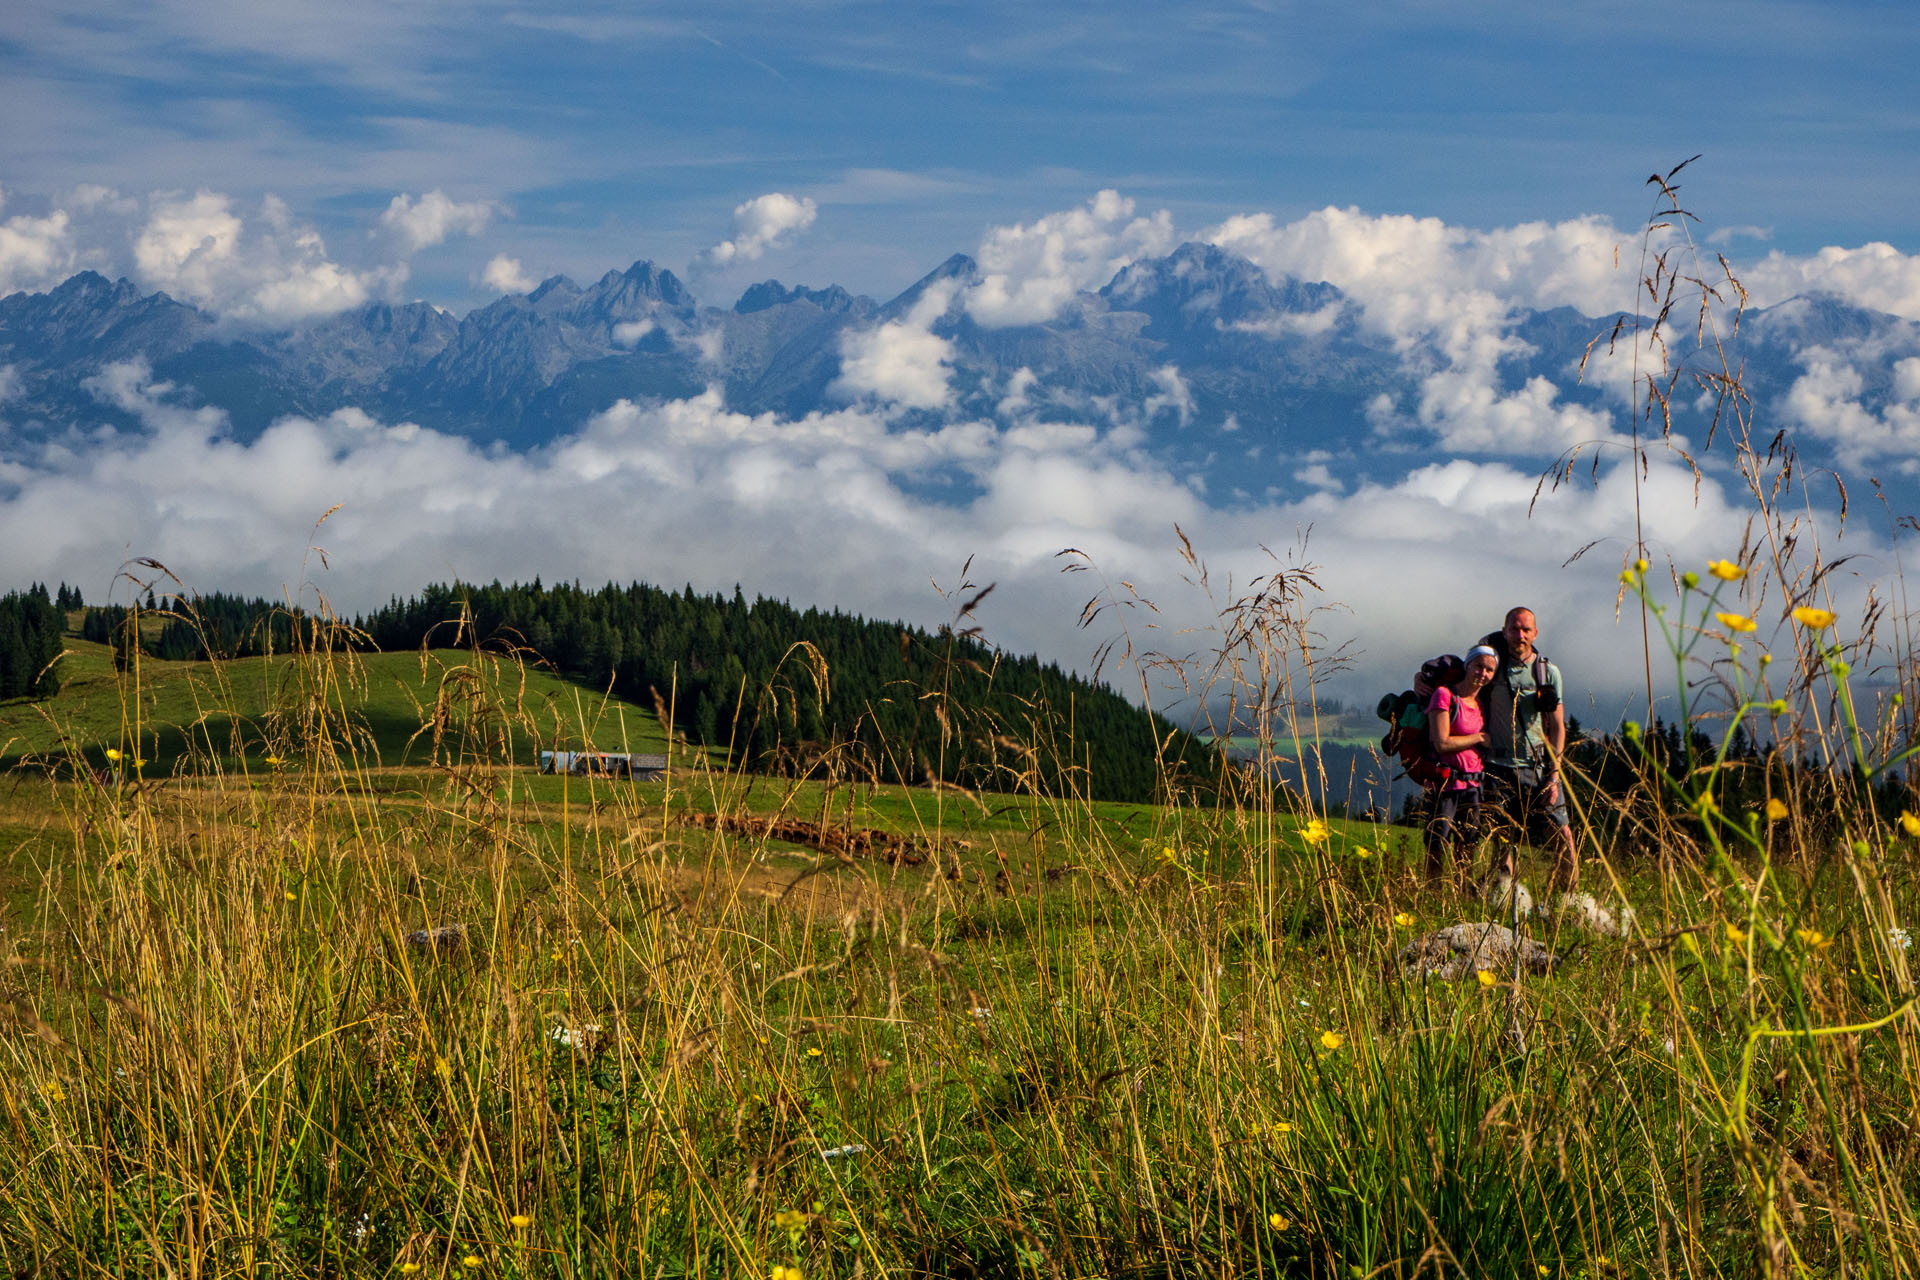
601,134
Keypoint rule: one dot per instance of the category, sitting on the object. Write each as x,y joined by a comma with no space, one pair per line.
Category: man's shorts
1512,797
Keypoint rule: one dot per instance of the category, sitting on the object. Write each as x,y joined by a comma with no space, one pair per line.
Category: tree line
32,624
781,688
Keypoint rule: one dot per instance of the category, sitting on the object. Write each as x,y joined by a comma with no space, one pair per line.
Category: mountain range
1229,377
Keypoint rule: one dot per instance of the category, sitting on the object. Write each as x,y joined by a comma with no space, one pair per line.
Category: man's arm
1553,725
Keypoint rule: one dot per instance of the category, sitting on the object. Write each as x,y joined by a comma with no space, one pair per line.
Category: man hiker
1527,731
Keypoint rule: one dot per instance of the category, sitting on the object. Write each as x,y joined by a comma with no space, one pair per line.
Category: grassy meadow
332,984
1014,1035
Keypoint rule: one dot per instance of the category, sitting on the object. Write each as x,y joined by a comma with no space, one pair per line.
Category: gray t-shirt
1513,716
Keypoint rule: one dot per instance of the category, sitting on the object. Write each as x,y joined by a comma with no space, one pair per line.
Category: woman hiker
1457,726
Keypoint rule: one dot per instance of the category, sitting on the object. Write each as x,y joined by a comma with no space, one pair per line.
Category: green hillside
192,714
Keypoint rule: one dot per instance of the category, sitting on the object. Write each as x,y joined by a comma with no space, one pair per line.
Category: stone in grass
1459,949
439,939
1584,911
1509,897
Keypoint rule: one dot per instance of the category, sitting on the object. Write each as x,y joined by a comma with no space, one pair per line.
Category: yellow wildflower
1726,570
813,1051
1363,852
1332,1039
1640,566
1486,977
521,1220
473,1260
1736,935
408,1268
1282,1127
113,753
1813,619
275,760
292,896
1909,823
1777,809
1316,832
53,1091
1404,920
1813,938
1737,622
1277,1221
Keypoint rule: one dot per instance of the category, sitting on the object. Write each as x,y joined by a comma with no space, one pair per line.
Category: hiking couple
1498,727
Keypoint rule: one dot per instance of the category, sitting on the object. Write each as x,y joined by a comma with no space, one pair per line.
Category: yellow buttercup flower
1909,823
1640,566
1404,920
1736,935
1332,1039
1813,619
113,753
1777,809
814,1051
1362,852
1737,622
1277,1221
473,1260
1813,938
1486,977
1282,1127
521,1220
1316,832
1726,570
408,1268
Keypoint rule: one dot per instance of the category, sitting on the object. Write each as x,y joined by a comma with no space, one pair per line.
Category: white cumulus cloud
274,271
507,275
35,252
1827,402
1029,272
760,224
421,223
901,361
1874,275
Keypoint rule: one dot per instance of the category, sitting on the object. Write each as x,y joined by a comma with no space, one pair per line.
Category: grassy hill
388,708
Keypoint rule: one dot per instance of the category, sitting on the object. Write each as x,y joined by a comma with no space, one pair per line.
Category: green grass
186,715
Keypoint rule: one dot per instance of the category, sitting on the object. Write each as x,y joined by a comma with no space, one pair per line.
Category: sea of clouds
834,508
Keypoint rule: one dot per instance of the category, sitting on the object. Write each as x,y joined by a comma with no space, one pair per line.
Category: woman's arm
1445,741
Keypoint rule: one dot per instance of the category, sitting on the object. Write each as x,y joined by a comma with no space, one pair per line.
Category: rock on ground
1458,950
1581,910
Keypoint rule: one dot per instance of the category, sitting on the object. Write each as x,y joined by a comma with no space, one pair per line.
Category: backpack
1407,738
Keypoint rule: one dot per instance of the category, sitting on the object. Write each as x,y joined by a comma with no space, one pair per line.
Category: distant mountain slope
1228,377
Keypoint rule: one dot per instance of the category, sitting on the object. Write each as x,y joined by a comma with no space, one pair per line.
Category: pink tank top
1465,718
